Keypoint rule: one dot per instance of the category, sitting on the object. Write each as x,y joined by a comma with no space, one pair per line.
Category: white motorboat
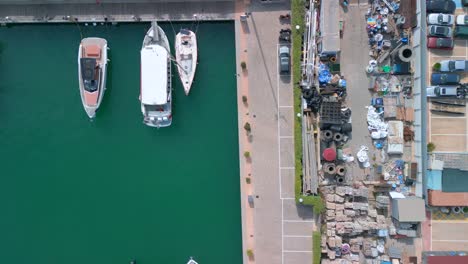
156,84
186,57
92,68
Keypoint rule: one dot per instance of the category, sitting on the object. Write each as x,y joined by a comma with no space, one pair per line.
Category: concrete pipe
329,168
327,135
405,53
339,179
338,137
340,170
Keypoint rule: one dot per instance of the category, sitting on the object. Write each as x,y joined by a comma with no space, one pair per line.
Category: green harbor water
104,192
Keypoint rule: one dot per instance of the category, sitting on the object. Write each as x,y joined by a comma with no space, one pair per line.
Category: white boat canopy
154,75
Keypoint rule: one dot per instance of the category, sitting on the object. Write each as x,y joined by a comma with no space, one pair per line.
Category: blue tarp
324,75
434,179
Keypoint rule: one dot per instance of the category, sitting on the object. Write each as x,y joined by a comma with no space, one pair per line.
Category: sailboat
186,57
156,84
92,67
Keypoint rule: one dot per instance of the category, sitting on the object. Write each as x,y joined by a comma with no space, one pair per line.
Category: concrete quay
117,12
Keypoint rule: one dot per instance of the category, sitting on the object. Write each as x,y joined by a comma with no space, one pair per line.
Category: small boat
191,261
186,57
92,68
156,84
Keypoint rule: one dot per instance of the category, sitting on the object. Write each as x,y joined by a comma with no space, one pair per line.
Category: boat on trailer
156,84
92,69
186,57
191,261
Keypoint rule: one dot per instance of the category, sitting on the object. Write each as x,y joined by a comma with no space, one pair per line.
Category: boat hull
92,100
186,51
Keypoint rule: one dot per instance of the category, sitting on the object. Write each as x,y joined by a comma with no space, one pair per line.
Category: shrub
317,246
247,127
247,180
436,66
247,154
244,99
243,65
431,147
250,253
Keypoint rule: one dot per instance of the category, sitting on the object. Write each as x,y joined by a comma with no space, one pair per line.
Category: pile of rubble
354,226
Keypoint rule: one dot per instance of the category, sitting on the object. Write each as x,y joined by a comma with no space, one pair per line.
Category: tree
243,65
431,147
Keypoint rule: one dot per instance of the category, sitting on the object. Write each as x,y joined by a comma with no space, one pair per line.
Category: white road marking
286,137
297,236
298,221
286,106
287,168
446,240
297,251
448,134
288,198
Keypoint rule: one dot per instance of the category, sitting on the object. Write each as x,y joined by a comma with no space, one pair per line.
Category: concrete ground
118,12
447,131
354,59
449,235
282,230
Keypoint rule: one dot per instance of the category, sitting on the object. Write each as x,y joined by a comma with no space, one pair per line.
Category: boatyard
279,132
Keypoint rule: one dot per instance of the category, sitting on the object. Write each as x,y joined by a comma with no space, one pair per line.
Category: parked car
284,59
462,20
440,43
440,19
441,6
461,32
453,65
439,31
436,91
445,78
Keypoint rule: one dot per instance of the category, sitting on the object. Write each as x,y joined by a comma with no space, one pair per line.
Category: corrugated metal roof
454,180
329,26
447,259
439,198
410,209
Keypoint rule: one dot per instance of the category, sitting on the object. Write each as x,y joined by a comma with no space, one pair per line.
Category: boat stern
158,121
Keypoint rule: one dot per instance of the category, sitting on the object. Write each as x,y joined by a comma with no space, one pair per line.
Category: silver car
439,31
462,20
436,91
440,19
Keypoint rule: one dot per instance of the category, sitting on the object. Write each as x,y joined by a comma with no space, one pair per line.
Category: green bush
431,147
246,154
316,248
243,65
315,201
297,18
436,66
244,99
250,253
247,180
247,127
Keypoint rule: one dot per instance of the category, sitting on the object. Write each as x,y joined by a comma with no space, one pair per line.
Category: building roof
154,75
329,26
447,259
439,198
454,180
410,209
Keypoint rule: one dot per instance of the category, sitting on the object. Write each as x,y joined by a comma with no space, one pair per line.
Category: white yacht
156,85
92,68
186,57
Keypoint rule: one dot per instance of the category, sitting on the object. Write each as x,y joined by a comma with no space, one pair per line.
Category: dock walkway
120,12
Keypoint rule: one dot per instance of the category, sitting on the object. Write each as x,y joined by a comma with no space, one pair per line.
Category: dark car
440,31
440,6
445,78
440,43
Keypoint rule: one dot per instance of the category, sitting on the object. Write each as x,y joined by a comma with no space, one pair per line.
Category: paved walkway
282,230
117,12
